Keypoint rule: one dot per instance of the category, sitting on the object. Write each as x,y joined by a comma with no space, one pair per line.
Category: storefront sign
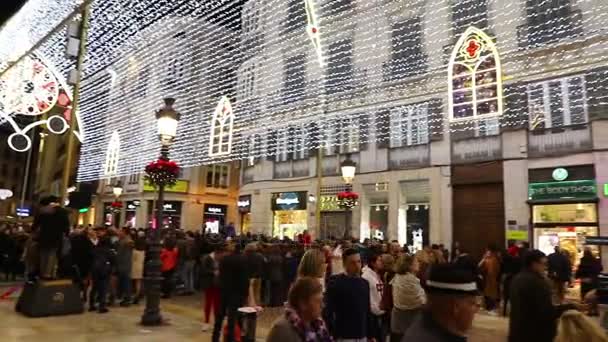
605,190
211,209
518,235
131,206
330,203
585,189
560,174
180,186
244,204
596,240
170,207
23,212
289,201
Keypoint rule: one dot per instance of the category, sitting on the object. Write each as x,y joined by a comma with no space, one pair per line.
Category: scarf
315,332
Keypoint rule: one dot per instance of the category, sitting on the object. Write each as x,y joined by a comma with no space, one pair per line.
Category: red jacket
169,259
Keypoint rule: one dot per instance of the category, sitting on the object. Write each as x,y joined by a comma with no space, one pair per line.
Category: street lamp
349,167
117,189
166,120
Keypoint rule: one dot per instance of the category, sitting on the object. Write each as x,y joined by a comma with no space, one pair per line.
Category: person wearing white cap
452,302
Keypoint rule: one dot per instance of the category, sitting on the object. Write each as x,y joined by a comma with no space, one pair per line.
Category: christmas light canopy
342,74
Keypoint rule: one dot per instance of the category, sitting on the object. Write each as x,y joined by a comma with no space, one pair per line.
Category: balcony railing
408,157
476,149
557,141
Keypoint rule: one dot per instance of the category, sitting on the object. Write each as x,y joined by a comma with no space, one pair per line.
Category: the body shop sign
289,201
584,189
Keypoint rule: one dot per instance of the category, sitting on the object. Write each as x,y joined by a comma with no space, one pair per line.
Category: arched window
475,78
221,129
110,167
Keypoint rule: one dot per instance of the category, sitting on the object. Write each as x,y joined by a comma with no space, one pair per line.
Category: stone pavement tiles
184,315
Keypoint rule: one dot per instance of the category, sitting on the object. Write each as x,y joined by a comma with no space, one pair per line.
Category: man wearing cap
452,302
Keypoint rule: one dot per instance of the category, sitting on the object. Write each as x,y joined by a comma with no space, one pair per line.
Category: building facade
203,198
472,122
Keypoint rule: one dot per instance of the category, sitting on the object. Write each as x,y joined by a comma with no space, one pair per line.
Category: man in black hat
452,302
51,225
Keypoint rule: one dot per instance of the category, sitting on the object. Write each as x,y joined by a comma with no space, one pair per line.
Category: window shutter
556,104
312,139
435,119
383,128
338,138
596,82
516,109
363,131
291,145
271,145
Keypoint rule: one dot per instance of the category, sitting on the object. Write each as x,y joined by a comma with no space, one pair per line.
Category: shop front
244,206
333,218
110,214
214,217
131,213
172,214
290,217
563,204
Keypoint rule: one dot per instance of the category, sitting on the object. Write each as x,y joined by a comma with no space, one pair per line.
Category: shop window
112,156
409,125
407,57
218,176
557,103
475,78
221,129
565,213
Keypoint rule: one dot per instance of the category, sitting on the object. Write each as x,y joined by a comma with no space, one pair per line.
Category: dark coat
559,267
104,259
82,254
208,276
347,310
51,225
533,316
425,329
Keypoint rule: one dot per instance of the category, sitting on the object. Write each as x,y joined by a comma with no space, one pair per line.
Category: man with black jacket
347,302
533,316
234,288
104,260
51,225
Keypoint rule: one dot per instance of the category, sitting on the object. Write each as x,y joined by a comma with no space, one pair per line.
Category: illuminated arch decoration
313,29
33,88
220,142
110,167
475,78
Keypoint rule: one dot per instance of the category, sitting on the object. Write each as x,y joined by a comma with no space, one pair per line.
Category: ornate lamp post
348,168
167,119
117,189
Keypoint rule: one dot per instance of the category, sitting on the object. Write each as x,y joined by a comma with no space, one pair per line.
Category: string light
191,50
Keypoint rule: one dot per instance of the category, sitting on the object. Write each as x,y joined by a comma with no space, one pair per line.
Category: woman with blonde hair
313,265
408,296
574,326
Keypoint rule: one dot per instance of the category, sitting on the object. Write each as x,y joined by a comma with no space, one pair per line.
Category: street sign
596,240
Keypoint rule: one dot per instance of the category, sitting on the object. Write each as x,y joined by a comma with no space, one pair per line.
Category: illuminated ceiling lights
188,49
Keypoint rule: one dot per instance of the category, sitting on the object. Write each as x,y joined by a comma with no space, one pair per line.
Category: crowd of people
335,290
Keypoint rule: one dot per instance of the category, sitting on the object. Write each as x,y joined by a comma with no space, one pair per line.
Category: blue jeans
124,286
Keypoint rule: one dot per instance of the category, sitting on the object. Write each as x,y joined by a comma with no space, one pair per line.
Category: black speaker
50,298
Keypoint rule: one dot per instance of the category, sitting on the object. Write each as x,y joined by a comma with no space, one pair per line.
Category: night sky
8,7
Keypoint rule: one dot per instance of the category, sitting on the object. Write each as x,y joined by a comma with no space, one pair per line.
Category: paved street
121,324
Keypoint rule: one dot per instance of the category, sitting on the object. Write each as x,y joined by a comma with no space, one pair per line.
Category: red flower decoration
348,199
162,172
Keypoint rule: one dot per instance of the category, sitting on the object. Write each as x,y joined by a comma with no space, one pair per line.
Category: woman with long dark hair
588,270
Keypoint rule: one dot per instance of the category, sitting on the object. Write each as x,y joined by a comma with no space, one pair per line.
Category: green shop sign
583,189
